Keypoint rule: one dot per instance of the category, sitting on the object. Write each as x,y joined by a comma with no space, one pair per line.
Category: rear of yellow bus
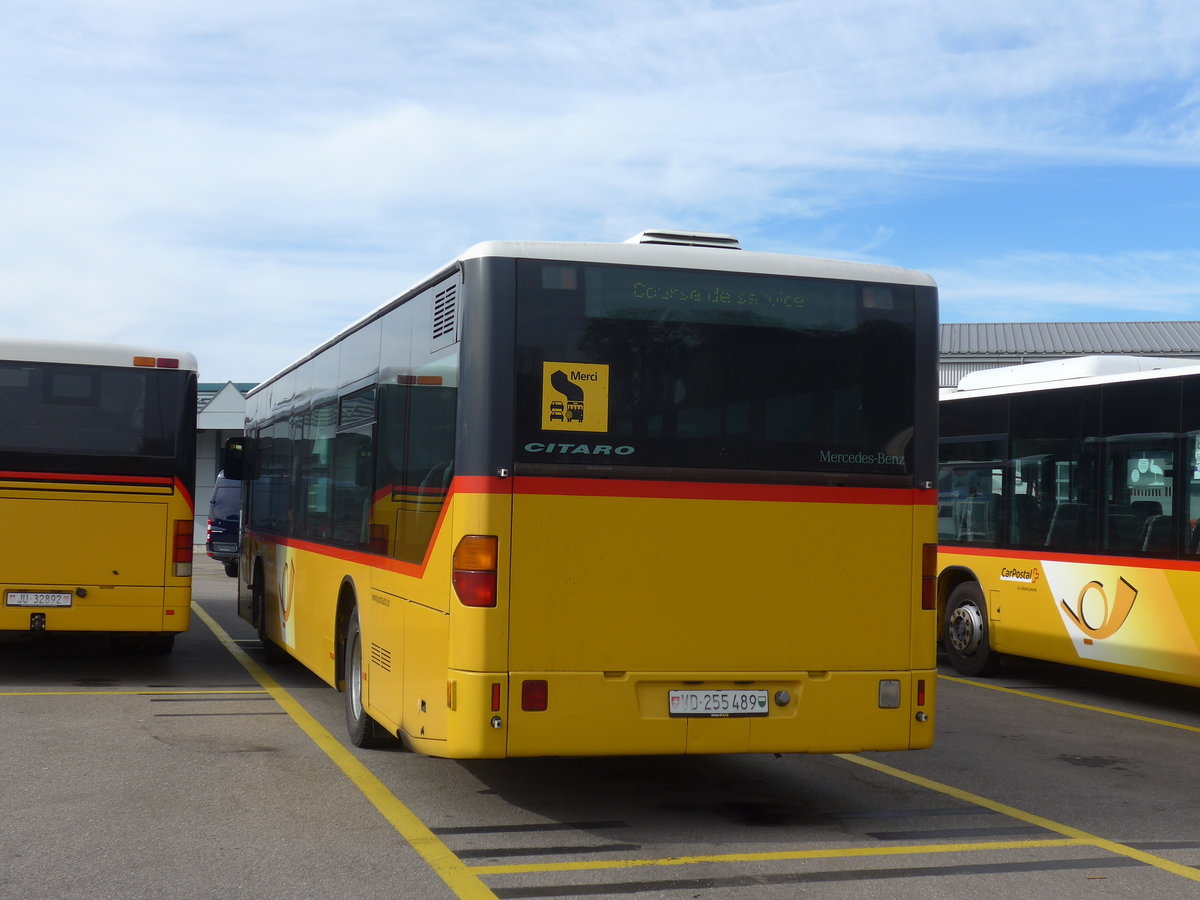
722,529
97,459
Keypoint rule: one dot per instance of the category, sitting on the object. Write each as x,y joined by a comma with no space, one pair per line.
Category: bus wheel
364,732
966,631
272,652
159,643
150,644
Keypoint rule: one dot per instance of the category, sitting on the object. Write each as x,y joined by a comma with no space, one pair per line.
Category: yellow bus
1069,516
664,496
97,465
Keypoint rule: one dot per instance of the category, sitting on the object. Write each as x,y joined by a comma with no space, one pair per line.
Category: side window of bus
968,502
970,490
414,464
1191,479
1140,513
1054,458
320,430
352,469
271,478
1140,443
259,450
1032,503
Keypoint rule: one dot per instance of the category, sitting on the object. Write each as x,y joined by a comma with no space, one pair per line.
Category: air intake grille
445,311
381,657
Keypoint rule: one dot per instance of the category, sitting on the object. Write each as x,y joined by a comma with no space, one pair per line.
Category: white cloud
1061,287
285,166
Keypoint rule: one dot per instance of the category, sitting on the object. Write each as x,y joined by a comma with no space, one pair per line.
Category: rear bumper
123,609
602,714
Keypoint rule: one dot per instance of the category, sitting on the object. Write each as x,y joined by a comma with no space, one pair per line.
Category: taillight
535,695
181,548
161,362
379,539
929,576
208,531
475,563
920,692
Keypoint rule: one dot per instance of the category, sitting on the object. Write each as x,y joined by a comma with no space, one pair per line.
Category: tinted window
415,464
226,501
76,418
1054,458
712,370
970,480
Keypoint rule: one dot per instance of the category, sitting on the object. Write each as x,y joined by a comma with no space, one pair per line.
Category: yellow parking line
1012,812
456,874
1100,709
776,856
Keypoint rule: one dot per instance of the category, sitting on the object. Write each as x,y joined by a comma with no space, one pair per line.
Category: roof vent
686,239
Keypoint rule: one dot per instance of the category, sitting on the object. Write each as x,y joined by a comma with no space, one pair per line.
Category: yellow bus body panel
1137,617
614,601
108,547
603,583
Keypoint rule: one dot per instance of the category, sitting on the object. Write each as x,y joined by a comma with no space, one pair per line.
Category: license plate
37,598
717,704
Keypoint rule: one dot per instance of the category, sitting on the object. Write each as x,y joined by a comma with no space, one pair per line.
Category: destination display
730,297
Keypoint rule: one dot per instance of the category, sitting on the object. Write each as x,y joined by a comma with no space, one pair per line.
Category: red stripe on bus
683,490
689,490
60,477
183,492
1088,559
360,557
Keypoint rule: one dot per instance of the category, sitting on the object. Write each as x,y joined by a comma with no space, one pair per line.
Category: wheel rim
354,677
965,629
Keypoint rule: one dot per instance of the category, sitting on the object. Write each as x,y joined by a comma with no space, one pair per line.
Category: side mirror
233,459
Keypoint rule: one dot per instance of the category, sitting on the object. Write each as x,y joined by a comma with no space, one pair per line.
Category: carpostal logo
1022,576
1096,614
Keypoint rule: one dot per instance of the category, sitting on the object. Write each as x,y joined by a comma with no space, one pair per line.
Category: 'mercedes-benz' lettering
585,449
861,459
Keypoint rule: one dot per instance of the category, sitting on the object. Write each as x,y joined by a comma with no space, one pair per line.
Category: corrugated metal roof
968,347
1056,339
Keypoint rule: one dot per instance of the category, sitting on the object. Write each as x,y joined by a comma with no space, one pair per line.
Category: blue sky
242,179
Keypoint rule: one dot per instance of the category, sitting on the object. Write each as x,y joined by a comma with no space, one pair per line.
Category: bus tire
364,731
150,644
965,631
272,652
159,644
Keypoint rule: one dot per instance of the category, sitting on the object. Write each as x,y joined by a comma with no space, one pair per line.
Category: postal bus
658,497
97,464
1069,516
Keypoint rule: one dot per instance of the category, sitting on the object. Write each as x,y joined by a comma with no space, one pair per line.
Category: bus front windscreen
77,418
698,370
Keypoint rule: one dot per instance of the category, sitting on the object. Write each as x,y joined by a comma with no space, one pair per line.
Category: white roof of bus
694,257
633,253
1078,371
83,353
